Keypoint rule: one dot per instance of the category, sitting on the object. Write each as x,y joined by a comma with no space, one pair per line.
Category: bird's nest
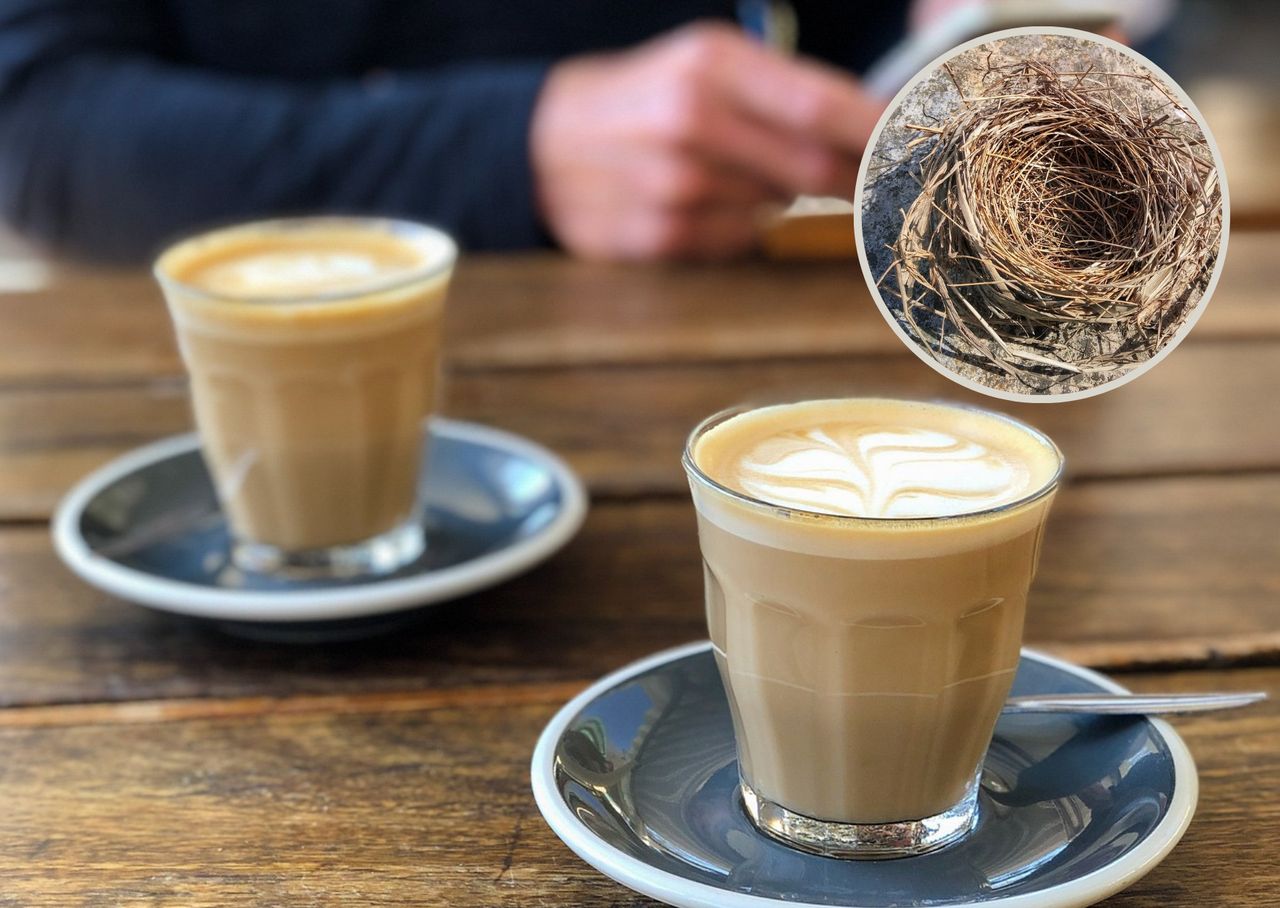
1063,226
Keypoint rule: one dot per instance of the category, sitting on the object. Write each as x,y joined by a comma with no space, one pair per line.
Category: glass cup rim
427,271
694,472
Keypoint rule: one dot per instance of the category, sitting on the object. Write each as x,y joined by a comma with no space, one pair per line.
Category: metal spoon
1131,704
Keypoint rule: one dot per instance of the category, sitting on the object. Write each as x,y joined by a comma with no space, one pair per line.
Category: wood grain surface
151,759
623,427
428,804
93,325
1133,573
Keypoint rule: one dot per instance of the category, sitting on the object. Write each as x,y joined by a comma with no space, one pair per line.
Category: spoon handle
1131,704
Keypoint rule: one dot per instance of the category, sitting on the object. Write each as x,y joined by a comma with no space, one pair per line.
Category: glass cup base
376,557
863,841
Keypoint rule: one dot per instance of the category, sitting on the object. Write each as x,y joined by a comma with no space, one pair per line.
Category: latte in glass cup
867,564
313,350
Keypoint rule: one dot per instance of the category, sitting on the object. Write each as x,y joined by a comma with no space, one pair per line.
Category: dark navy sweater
126,122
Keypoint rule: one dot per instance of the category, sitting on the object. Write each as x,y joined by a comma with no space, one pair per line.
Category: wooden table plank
537,310
153,758
1244,115
383,809
1132,573
623,428
1227,856
430,806
50,438
627,585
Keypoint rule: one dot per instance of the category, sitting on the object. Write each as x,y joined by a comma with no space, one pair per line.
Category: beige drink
312,346
867,565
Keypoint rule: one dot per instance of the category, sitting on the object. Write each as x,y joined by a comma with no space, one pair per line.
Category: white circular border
1043,397
374,598
676,890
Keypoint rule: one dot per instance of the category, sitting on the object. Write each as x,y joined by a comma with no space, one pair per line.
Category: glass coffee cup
866,656
313,346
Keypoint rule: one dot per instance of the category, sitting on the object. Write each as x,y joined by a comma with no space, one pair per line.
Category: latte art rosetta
875,471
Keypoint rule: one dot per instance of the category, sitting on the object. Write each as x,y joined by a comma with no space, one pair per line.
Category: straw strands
1064,223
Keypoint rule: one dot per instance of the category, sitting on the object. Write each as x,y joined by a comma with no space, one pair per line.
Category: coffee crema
875,458
265,262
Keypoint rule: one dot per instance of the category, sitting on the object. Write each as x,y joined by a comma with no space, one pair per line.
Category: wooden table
149,759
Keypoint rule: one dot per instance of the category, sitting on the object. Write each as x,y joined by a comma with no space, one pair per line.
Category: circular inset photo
1042,214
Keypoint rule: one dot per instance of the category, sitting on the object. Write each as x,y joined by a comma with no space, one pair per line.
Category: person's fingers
672,179
791,163
723,233
686,180
671,150
662,233
806,98
815,101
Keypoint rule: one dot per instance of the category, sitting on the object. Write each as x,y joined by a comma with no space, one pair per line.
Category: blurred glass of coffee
313,349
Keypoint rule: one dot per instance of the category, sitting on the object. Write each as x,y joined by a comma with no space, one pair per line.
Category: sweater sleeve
107,149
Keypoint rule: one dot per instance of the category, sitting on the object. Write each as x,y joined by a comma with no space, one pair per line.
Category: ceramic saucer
147,528
638,776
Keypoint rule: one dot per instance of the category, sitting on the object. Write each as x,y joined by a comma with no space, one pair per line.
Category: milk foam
889,464
285,271
334,279
879,471
290,259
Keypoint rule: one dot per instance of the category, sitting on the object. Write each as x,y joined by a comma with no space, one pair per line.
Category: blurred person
619,131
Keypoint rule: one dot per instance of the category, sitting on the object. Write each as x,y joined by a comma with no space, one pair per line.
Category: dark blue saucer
147,527
638,776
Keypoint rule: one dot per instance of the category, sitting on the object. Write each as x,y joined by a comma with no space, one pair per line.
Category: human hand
670,149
